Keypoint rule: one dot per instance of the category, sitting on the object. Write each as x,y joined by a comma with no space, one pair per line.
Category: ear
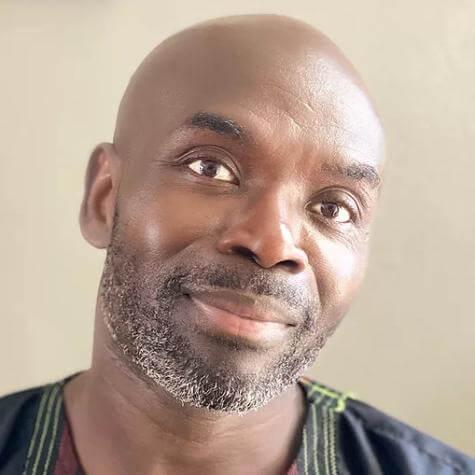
100,192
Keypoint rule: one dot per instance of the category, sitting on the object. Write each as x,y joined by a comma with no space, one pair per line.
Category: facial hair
139,299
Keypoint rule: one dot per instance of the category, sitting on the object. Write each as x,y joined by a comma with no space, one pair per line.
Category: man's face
240,237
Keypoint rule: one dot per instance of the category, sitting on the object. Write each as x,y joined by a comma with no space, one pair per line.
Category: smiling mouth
235,315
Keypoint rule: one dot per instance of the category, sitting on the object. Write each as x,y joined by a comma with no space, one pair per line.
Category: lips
262,309
258,320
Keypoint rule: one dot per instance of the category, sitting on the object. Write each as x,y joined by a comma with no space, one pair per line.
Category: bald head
248,172
285,63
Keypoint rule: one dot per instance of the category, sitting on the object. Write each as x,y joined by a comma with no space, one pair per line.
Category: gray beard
138,302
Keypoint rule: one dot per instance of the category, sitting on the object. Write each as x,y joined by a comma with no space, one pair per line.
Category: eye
337,212
212,169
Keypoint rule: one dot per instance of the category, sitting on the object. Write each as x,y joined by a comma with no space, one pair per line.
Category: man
235,204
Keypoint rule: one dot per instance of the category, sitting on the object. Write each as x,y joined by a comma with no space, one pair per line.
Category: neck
121,425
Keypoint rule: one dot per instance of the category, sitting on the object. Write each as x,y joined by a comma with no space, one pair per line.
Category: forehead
309,100
335,121
356,170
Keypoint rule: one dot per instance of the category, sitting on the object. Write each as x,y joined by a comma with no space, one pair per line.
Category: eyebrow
356,171
226,126
217,123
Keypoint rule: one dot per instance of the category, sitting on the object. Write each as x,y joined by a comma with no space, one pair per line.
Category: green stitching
333,402
332,454
45,428
305,463
341,404
326,391
341,397
315,438
45,396
59,401
318,400
326,449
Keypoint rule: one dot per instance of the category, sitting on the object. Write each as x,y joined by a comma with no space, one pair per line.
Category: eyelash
187,160
353,210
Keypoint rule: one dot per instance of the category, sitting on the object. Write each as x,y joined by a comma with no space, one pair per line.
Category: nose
263,234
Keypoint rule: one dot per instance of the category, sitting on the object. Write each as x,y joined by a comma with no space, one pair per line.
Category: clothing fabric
341,436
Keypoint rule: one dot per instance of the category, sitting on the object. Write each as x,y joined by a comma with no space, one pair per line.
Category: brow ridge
356,171
217,123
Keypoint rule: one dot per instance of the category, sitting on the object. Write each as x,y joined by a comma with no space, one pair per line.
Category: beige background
408,344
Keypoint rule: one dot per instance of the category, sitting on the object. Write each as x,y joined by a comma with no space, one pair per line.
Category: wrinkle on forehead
285,60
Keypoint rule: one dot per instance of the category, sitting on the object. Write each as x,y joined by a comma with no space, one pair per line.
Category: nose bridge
266,230
270,212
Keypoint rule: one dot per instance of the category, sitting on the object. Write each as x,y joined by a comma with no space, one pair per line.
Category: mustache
189,270
228,277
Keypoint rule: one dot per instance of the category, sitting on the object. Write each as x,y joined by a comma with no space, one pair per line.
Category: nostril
290,265
245,252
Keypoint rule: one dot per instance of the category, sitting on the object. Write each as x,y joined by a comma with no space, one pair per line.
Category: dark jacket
341,435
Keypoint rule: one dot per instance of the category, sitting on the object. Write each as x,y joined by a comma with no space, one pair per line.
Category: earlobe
100,190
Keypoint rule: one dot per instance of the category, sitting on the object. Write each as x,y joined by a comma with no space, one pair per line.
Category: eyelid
350,202
202,153
189,157
231,175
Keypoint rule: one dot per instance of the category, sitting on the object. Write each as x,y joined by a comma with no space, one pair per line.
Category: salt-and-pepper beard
138,300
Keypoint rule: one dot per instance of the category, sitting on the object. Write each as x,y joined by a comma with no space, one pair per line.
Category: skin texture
247,156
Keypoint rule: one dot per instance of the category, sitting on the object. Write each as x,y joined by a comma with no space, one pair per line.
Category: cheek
167,222
339,274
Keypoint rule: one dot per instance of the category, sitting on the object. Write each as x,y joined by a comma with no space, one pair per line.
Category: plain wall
407,346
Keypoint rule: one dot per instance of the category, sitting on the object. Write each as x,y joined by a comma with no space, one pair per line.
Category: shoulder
371,441
16,407
18,413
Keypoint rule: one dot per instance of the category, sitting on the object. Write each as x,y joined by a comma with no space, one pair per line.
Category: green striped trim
341,397
329,430
315,419
45,432
319,448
